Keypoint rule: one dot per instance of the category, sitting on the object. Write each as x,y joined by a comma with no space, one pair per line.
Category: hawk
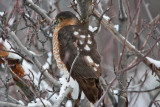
70,37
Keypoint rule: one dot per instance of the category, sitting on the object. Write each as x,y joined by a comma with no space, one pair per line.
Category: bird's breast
56,54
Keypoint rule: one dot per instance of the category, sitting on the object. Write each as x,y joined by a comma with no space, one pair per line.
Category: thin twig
107,90
149,13
74,61
143,91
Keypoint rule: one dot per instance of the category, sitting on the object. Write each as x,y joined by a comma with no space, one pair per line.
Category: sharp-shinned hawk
69,38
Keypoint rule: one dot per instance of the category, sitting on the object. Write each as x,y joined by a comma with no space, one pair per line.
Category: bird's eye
56,22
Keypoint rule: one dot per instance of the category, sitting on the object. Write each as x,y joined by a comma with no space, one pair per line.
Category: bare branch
149,13
156,95
130,47
84,8
143,91
107,90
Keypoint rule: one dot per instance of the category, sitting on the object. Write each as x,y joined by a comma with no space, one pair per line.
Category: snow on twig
155,62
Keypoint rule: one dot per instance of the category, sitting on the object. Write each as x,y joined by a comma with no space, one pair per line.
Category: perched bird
72,39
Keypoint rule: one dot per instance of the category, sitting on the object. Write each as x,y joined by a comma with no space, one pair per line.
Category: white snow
11,21
1,13
97,65
75,33
106,18
127,42
21,102
46,66
49,61
89,42
26,66
27,15
32,52
81,42
115,94
92,29
94,68
8,47
30,0
116,27
155,62
68,103
39,103
75,1
50,35
82,36
53,98
72,83
48,32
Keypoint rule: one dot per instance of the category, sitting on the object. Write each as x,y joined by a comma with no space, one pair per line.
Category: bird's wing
74,37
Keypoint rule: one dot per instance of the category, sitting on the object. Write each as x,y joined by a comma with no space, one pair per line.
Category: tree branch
129,46
59,101
36,8
156,95
14,39
7,104
84,8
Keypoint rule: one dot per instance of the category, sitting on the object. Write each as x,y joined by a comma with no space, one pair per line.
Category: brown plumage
70,35
3,54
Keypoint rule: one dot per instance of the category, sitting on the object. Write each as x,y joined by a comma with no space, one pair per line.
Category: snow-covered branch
39,10
7,104
14,39
60,99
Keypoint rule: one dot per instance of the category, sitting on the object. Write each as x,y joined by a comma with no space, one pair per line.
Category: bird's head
65,18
